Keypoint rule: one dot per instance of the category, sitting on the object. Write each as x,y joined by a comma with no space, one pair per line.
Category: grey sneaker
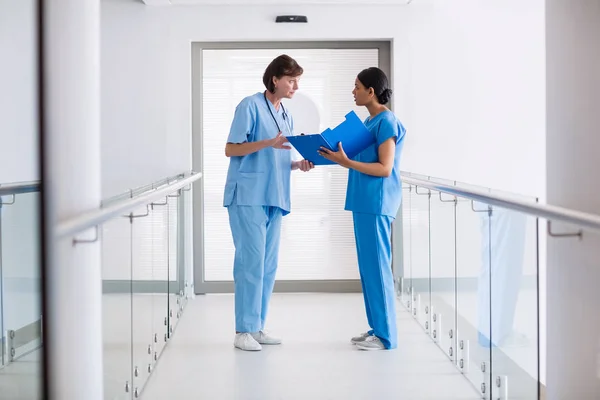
360,338
371,343
263,338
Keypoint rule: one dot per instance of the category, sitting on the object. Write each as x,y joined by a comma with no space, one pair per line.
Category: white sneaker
371,343
263,338
359,338
245,341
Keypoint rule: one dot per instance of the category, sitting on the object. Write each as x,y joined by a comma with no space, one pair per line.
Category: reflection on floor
524,353
517,362
21,380
134,329
316,360
130,326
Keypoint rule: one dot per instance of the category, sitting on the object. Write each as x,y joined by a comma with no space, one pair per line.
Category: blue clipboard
353,134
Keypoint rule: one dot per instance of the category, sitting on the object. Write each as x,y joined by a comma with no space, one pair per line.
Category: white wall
135,108
468,77
573,141
475,92
18,97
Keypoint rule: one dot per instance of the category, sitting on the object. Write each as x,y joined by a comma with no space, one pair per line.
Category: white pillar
573,165
71,45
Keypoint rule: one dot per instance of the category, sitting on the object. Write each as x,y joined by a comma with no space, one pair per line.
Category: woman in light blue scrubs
257,196
374,195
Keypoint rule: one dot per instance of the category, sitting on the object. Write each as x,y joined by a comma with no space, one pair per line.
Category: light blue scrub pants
503,246
374,248
256,232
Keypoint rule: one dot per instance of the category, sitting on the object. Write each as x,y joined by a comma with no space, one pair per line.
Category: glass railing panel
142,297
3,357
420,252
443,272
186,246
514,328
142,265
21,351
175,274
472,285
116,308
159,285
20,296
484,281
402,233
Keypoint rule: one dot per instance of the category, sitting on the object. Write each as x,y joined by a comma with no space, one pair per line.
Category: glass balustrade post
472,303
116,307
514,329
142,301
421,260
443,272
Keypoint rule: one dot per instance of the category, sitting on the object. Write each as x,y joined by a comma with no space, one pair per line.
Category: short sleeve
243,122
387,129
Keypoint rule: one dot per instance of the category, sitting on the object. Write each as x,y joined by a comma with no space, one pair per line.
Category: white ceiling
274,2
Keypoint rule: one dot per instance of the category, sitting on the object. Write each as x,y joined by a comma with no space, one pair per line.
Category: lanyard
272,115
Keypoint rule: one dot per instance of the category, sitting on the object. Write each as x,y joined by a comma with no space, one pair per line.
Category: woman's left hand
303,165
338,157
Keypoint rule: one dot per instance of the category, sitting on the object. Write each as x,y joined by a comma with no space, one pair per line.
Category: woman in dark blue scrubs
374,195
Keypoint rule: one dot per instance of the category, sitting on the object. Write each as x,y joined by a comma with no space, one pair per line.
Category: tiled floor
316,360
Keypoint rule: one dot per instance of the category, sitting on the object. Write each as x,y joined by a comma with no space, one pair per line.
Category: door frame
201,286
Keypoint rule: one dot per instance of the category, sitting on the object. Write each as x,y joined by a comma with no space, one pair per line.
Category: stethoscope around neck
283,114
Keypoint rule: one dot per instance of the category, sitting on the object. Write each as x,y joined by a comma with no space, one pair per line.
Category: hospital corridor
299,199
316,359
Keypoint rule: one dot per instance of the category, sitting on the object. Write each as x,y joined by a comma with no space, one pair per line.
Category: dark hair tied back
281,66
385,96
375,78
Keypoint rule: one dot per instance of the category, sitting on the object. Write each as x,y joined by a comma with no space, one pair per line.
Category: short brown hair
281,66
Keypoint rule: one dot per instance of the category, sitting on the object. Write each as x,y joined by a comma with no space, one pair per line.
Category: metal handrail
140,190
453,183
551,213
96,217
19,188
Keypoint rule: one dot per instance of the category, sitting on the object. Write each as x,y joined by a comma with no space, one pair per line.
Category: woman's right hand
278,142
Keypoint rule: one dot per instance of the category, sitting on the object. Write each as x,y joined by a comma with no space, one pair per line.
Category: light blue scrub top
371,194
261,178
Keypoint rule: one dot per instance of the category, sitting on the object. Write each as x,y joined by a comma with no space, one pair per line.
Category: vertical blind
317,239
